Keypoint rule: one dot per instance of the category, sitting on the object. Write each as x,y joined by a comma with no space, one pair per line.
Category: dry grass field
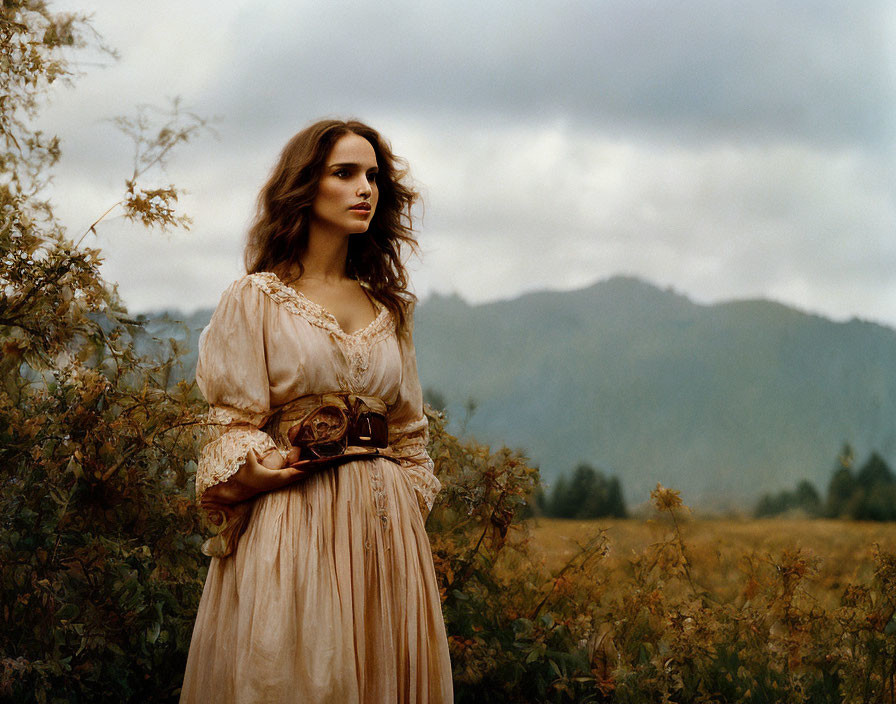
723,553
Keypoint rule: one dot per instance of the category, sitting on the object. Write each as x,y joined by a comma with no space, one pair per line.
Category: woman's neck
325,257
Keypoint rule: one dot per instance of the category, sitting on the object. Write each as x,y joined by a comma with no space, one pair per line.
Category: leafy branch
153,146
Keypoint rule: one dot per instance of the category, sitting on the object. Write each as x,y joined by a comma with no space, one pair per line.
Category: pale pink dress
330,595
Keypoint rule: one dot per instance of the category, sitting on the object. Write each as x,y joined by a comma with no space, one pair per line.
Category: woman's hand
257,475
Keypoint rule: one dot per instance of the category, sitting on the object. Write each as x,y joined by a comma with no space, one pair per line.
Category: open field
723,553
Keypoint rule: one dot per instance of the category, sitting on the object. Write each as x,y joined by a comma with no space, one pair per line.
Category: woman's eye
372,177
341,173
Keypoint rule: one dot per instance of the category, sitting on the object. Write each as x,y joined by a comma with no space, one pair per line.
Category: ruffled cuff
425,484
408,445
221,458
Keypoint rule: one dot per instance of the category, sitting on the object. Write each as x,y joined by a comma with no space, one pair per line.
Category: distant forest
866,494
586,493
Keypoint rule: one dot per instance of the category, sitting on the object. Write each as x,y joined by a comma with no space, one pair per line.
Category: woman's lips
363,207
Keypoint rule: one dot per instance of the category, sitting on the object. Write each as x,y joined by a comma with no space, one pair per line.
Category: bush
98,537
509,640
521,633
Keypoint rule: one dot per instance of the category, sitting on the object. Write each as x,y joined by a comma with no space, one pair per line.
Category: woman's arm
409,429
258,474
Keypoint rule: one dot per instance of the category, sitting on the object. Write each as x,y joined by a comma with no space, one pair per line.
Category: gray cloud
725,149
721,221
817,71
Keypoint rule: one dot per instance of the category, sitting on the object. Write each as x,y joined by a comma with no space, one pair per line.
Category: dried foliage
673,624
523,629
758,619
516,631
99,565
153,144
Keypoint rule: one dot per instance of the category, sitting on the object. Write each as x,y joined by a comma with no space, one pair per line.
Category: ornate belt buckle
322,433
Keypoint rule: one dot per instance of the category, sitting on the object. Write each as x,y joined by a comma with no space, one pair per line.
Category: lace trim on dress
425,484
233,432
355,346
221,458
407,443
228,415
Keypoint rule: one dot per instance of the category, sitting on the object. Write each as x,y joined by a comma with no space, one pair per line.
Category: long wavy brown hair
278,236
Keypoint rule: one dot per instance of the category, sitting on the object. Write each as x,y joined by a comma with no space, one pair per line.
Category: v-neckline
327,313
380,309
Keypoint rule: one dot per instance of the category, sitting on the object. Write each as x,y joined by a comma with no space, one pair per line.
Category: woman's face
347,193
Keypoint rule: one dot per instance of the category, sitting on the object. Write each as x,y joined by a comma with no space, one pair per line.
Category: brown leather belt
324,430
321,431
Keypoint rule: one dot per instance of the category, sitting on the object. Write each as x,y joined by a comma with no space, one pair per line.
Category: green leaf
152,633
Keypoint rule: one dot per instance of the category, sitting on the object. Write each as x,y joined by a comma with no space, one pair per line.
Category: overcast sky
726,149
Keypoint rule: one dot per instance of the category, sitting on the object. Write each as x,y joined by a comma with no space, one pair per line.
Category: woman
323,587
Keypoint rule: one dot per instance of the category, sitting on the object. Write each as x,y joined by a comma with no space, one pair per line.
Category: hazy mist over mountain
721,401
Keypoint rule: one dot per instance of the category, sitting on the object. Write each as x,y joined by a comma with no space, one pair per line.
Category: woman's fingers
272,459
281,478
250,479
258,476
296,469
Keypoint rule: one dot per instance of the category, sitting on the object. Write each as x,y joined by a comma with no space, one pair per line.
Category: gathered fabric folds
330,594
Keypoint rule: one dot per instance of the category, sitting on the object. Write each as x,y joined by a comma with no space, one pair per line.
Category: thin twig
568,566
685,562
96,222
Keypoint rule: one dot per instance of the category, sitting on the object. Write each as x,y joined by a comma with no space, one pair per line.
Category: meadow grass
723,551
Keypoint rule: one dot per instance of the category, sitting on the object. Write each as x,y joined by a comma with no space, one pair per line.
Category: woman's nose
363,187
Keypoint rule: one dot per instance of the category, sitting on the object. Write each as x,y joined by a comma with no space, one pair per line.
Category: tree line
585,493
864,494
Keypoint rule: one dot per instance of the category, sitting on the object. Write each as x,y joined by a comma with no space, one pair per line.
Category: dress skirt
330,596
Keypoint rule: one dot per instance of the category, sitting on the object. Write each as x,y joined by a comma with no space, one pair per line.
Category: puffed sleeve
409,428
232,375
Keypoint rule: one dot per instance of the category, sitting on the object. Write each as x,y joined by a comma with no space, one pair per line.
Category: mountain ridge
721,400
